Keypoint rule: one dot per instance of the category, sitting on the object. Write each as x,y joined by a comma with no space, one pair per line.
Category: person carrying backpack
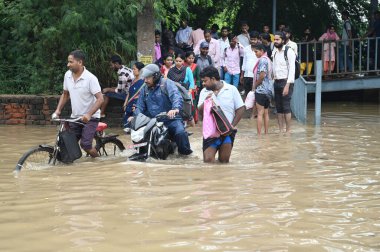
284,76
345,64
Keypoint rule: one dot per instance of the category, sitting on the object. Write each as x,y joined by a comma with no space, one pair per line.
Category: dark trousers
177,131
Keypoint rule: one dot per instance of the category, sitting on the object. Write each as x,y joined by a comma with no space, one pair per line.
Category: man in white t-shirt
83,90
228,98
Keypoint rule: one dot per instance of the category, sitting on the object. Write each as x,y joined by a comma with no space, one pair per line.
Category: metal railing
354,56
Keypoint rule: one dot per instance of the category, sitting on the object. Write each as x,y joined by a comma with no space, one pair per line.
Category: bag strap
136,94
209,59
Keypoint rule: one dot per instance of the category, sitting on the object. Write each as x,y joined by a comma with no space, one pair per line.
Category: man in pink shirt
157,46
213,50
196,36
231,61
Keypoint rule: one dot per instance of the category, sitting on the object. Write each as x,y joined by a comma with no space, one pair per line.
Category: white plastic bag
250,100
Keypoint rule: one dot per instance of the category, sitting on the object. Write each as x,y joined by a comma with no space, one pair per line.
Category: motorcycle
150,138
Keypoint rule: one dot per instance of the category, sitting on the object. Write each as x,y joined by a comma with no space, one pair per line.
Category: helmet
151,70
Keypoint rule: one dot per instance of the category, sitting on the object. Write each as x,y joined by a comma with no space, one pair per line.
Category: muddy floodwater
315,190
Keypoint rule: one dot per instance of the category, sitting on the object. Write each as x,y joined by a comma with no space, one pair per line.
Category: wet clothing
85,132
282,102
153,101
217,142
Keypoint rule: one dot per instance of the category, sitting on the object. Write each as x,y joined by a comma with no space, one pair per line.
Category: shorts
85,132
262,100
282,102
217,142
120,96
248,83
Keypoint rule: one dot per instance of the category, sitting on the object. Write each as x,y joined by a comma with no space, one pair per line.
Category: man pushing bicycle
84,92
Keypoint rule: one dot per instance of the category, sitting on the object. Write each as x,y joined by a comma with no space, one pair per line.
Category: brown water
316,190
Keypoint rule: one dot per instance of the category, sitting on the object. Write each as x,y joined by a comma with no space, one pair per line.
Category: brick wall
37,110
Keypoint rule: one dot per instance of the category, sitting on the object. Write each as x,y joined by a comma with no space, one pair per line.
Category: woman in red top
168,63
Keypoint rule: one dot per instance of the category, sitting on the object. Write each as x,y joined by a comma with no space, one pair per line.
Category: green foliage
38,35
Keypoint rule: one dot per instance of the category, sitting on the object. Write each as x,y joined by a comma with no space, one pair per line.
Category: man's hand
241,79
55,115
130,118
171,114
286,90
86,118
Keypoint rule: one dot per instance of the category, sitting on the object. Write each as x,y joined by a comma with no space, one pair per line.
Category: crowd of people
210,66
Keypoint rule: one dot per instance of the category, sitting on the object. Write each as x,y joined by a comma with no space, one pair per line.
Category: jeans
345,66
177,131
232,79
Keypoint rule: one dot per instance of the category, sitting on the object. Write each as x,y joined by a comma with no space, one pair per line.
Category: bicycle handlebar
67,119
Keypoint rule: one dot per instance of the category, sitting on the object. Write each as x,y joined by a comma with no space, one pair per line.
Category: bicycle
45,154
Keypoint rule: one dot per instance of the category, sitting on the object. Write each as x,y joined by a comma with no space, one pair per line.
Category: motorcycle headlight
137,135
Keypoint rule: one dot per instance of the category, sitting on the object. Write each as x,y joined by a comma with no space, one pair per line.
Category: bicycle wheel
111,147
36,158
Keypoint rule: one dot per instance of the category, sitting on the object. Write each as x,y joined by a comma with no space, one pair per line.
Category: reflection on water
316,190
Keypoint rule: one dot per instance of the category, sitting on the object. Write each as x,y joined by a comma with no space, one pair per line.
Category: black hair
116,59
189,53
287,30
78,55
330,26
180,55
260,47
139,65
254,34
207,31
265,36
231,36
215,26
157,32
210,72
243,22
345,13
281,34
167,56
225,28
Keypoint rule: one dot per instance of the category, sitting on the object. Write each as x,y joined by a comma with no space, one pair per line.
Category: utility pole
274,11
145,33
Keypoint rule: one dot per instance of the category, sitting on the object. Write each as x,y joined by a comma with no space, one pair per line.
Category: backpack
186,111
354,32
208,58
297,67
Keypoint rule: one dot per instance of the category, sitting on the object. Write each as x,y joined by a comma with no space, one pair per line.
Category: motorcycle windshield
139,121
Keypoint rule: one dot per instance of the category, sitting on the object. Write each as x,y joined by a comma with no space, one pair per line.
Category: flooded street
316,190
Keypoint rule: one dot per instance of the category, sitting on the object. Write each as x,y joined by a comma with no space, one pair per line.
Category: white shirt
223,44
213,51
249,61
82,93
281,70
293,45
243,39
228,99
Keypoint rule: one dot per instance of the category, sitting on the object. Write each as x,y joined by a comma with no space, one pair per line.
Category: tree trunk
145,34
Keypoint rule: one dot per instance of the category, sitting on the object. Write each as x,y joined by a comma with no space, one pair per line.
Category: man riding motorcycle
153,101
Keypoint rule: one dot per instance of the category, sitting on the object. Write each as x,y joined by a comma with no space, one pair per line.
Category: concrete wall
37,110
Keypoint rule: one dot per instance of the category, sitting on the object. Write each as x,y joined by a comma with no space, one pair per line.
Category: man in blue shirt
183,36
153,101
